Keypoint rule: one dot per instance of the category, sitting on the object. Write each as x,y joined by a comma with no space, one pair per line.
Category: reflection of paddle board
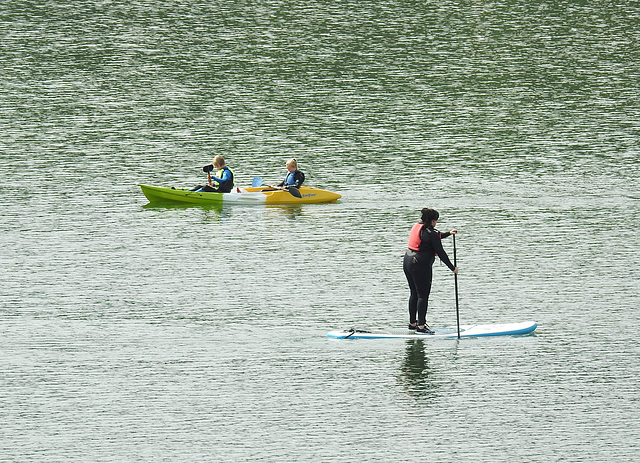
467,331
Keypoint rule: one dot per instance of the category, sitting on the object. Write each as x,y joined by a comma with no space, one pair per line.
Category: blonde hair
292,163
218,161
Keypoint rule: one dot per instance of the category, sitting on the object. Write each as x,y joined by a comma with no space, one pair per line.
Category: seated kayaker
294,178
221,182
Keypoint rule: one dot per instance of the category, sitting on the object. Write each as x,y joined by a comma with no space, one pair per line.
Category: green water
131,332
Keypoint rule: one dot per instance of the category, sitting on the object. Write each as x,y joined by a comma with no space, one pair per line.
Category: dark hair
428,215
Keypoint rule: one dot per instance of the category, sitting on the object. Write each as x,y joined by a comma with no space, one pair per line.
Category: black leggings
417,269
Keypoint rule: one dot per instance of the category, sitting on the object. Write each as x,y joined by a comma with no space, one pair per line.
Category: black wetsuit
417,268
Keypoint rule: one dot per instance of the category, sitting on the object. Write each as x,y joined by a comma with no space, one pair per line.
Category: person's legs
422,276
413,297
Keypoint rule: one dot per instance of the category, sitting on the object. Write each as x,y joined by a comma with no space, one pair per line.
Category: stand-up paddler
424,245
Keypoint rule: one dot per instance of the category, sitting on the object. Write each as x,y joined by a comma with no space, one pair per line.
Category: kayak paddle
208,168
294,191
257,182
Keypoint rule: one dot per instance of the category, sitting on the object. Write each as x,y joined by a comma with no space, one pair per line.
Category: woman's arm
437,247
449,233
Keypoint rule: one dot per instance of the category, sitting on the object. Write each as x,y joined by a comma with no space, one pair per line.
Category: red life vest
414,237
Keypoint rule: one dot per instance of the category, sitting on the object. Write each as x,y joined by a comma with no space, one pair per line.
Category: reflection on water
216,207
290,211
287,211
416,375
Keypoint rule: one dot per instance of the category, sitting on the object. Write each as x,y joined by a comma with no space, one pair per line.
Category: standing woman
424,245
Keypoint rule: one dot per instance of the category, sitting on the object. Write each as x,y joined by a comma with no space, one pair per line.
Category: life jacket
415,241
290,179
293,177
414,237
227,185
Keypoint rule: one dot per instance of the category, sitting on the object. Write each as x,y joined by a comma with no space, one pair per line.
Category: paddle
208,168
294,191
291,189
257,182
455,278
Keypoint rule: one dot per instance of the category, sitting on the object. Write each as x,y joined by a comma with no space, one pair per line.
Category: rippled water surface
137,332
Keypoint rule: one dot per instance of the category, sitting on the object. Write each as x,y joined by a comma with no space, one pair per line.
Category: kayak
466,331
250,195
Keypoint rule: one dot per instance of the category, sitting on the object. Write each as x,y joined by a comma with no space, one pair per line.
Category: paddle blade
257,181
294,191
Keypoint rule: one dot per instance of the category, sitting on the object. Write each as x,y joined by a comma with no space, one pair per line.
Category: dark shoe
413,327
425,330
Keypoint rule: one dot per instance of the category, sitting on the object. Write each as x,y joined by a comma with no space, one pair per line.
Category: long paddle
455,278
257,182
291,189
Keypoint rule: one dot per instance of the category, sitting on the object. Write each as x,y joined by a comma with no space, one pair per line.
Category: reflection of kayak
250,195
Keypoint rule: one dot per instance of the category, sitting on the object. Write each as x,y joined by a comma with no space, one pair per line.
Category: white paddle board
466,331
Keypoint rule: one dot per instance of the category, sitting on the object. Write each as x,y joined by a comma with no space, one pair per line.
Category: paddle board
467,331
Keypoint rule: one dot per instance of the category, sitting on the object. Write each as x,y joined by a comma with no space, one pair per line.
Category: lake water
131,332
